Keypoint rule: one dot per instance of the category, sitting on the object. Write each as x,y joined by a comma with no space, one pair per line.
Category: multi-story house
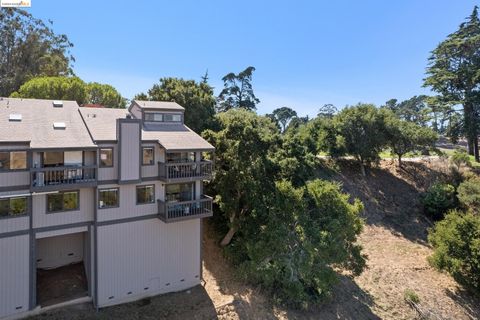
98,204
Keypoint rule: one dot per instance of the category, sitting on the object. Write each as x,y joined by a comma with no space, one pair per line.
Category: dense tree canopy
238,91
453,73
414,110
71,88
196,97
282,116
29,48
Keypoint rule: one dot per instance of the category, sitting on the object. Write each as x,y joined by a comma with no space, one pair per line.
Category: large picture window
145,194
53,159
180,192
63,201
13,160
148,156
12,207
106,157
108,198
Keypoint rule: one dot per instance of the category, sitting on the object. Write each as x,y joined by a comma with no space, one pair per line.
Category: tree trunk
400,161
228,237
470,126
476,153
362,168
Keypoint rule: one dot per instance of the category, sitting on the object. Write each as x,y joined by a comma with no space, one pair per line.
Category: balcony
185,210
56,178
185,171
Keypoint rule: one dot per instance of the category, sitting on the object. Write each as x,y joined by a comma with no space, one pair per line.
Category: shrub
469,194
411,296
438,199
456,243
460,158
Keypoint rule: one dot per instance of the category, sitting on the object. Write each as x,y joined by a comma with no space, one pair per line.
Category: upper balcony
54,178
173,211
185,171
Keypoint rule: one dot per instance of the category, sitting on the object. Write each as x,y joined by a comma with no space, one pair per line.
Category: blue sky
307,53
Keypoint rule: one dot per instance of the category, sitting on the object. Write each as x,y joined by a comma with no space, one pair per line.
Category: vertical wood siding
43,219
54,252
152,171
14,275
14,178
129,151
128,202
145,258
109,173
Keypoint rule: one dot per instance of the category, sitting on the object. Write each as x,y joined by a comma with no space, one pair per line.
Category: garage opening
62,268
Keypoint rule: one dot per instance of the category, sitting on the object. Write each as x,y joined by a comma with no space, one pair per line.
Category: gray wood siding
14,224
54,252
128,202
152,171
14,178
146,258
14,275
108,173
129,150
43,219
136,111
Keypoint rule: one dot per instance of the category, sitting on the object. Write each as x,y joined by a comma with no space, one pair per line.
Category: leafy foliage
453,73
238,91
414,110
468,193
283,116
438,199
305,233
71,88
196,97
456,243
362,128
29,48
460,158
327,111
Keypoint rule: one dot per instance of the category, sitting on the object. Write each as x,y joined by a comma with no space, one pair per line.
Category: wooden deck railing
59,176
175,211
174,171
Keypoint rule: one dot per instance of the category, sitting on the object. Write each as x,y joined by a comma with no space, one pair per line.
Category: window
108,198
106,157
53,159
12,207
172,117
153,116
14,160
145,194
181,157
179,192
63,201
148,156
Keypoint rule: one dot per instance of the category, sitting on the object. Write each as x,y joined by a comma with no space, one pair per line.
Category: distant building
97,203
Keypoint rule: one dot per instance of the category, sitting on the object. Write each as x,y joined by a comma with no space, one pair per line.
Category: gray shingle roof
159,105
102,125
37,121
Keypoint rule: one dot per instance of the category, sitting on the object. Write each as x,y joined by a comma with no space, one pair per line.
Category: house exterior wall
129,151
154,258
128,207
14,178
57,251
14,275
43,219
108,173
151,170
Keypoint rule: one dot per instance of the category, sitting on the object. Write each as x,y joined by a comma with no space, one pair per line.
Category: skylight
15,117
58,103
59,125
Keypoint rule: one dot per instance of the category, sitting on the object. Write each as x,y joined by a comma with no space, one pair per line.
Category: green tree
54,88
468,193
29,48
327,111
293,247
238,91
453,72
70,88
245,144
438,199
363,132
404,137
456,244
283,116
414,110
105,95
196,97
460,158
